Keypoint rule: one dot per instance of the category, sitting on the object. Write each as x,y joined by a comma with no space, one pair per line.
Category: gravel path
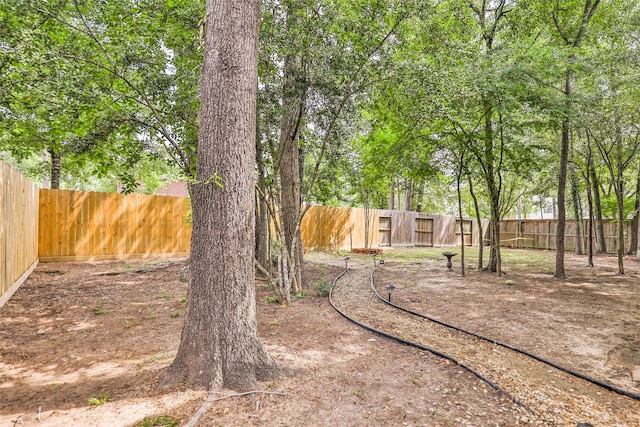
550,396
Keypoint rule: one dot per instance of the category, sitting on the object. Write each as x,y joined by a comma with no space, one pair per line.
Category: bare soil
85,344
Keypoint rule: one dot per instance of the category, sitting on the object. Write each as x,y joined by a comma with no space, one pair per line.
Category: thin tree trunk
495,263
420,197
392,198
262,215
56,157
620,202
601,244
562,183
408,195
458,178
619,188
219,346
573,42
633,246
577,213
590,203
293,104
479,220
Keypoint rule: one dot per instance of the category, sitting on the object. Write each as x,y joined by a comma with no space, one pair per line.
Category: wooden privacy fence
87,225
406,228
18,230
344,228
541,234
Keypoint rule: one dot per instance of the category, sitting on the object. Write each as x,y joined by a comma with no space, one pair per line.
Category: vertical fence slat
19,206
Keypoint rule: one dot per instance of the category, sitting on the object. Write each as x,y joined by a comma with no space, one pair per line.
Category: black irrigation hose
510,347
422,347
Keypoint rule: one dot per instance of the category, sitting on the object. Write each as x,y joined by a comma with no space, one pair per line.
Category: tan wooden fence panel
424,232
326,227
88,225
384,230
18,230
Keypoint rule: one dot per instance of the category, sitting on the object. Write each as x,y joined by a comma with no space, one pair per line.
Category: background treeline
484,108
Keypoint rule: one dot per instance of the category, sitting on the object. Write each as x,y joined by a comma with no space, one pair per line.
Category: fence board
325,227
81,225
18,230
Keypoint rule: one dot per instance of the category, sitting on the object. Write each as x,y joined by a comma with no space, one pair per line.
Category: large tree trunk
219,346
56,157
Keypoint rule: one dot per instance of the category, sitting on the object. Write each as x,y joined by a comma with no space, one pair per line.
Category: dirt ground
85,344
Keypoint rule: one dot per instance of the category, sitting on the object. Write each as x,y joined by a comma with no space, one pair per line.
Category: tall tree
294,94
220,345
572,29
84,68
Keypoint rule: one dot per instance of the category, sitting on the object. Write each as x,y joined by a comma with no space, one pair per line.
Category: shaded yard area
86,343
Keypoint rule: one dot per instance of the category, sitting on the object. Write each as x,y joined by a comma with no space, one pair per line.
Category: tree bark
495,262
577,210
293,104
601,244
573,42
219,346
619,187
458,178
392,198
590,203
420,197
479,220
562,181
56,157
633,245
408,195
262,214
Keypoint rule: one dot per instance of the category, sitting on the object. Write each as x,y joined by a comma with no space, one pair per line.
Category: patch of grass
273,299
99,310
513,259
528,260
301,294
175,314
159,356
358,393
159,421
275,323
100,399
127,323
183,300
